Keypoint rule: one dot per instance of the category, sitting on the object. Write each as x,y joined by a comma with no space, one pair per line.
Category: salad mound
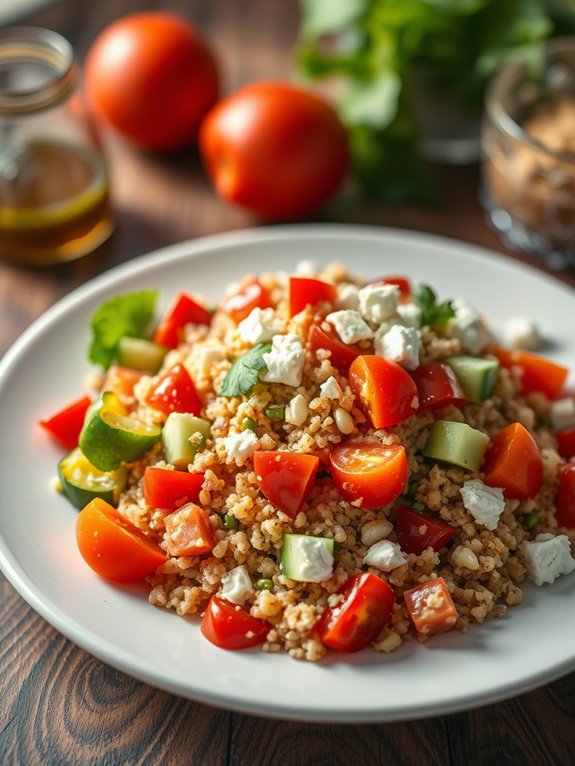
320,462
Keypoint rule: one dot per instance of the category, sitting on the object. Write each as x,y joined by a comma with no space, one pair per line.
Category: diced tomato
538,373
418,531
431,607
402,282
304,291
285,478
188,532
252,296
114,547
121,380
167,489
175,392
386,392
373,473
565,505
513,462
182,311
437,386
231,627
341,354
365,607
65,425
566,442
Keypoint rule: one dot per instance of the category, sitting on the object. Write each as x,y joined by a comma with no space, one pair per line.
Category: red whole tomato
565,513
285,478
418,531
342,355
275,149
375,474
152,77
513,462
437,386
231,627
175,392
385,390
240,305
366,605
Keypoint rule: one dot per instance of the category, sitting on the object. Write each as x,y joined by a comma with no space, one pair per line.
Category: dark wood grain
59,705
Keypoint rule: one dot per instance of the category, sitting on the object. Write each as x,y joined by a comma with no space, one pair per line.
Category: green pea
530,520
248,424
264,584
275,412
412,486
417,506
230,521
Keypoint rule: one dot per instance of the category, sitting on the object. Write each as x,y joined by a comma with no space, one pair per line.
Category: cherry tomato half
152,78
565,513
175,392
418,531
366,606
167,489
65,425
437,386
375,474
341,354
275,149
182,311
385,390
252,296
513,462
285,478
538,373
304,291
112,546
231,627
431,607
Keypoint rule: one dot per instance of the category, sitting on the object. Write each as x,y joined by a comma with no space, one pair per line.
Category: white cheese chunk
349,325
385,556
379,302
285,361
237,585
562,414
241,446
520,332
467,326
306,268
258,326
485,504
331,389
208,356
547,558
409,314
316,561
347,297
400,344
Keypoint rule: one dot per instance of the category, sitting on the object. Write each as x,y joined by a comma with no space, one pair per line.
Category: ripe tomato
565,513
285,478
418,531
112,546
65,425
566,442
167,489
437,386
341,354
275,149
402,282
175,392
152,78
309,292
538,373
385,390
366,605
182,311
431,607
374,473
231,627
253,296
188,531
513,462
121,381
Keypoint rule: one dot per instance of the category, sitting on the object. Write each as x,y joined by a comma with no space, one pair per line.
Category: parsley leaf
433,313
128,314
243,374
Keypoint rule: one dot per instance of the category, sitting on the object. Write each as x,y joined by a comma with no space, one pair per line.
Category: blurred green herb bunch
381,61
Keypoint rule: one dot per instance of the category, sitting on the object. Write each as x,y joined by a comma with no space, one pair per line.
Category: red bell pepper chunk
341,355
182,311
418,531
239,305
566,442
309,292
565,512
538,373
285,478
167,489
437,386
175,392
65,425
402,282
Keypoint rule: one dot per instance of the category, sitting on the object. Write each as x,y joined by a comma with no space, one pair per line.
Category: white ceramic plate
16,11
46,368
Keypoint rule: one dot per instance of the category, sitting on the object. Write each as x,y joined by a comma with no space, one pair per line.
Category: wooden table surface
59,705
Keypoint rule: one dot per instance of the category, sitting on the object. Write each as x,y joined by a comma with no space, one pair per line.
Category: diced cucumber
177,437
306,558
456,443
82,482
476,375
141,354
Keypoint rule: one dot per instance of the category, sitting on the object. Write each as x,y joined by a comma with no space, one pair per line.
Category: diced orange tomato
167,489
565,504
385,390
188,532
239,305
342,355
65,425
182,311
230,627
431,607
513,463
121,381
418,531
538,373
114,547
304,291
369,473
285,478
175,392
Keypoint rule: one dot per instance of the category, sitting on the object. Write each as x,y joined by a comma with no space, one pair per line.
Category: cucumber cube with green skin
82,482
456,443
141,354
477,376
179,446
306,558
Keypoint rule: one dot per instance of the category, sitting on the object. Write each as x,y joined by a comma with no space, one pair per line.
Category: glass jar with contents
54,198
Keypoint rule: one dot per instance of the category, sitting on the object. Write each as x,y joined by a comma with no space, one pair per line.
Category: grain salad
321,463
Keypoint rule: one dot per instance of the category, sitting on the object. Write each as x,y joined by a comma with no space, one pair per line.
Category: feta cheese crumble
379,302
306,269
331,389
520,332
349,325
316,560
485,504
410,314
562,414
258,326
237,585
347,297
400,344
547,558
241,446
467,326
385,556
285,361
